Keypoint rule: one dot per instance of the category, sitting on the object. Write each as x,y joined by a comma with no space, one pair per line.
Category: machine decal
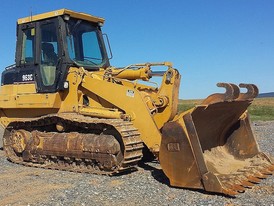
130,93
27,77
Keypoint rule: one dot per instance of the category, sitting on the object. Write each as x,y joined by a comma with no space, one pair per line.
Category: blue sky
208,41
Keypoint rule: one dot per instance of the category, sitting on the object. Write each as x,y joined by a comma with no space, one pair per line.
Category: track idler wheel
19,139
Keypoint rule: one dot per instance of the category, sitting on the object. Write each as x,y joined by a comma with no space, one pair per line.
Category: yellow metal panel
31,101
26,88
17,89
25,96
7,102
13,114
6,90
72,95
9,93
129,100
38,101
169,90
101,112
60,13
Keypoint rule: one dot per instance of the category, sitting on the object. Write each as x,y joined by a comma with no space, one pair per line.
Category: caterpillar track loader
64,107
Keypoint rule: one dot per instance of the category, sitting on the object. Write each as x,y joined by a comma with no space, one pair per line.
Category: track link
129,139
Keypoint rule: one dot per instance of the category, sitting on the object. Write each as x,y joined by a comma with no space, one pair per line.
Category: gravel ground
21,185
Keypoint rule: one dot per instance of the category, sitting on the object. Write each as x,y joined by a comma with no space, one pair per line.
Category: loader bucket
212,147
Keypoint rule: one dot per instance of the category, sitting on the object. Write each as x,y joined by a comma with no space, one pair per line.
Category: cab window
49,51
28,46
84,45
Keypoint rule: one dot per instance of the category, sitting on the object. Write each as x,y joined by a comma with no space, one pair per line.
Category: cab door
37,56
48,45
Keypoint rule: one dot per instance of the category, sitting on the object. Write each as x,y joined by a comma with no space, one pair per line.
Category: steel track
129,139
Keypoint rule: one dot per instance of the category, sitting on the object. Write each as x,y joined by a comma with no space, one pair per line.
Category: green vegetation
261,112
260,109
187,104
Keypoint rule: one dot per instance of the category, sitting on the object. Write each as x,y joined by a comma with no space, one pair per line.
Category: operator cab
48,44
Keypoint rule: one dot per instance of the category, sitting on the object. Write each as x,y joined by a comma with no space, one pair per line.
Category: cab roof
61,12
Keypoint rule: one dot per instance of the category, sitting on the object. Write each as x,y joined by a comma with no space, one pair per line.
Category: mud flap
212,146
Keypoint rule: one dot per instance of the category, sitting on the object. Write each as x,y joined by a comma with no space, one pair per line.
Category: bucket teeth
264,167
255,173
244,178
260,175
235,187
230,192
253,179
259,171
266,171
243,182
246,183
268,168
271,168
235,184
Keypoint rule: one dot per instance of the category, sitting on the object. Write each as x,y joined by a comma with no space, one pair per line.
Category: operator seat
49,55
49,63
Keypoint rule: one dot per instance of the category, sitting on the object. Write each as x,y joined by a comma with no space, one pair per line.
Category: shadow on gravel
126,172
159,175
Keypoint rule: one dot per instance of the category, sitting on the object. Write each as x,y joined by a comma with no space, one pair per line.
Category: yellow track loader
64,107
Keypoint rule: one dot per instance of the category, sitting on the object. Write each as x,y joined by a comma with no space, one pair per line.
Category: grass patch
263,113
183,107
261,108
187,104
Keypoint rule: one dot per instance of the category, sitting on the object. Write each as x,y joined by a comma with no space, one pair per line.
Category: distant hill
263,95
